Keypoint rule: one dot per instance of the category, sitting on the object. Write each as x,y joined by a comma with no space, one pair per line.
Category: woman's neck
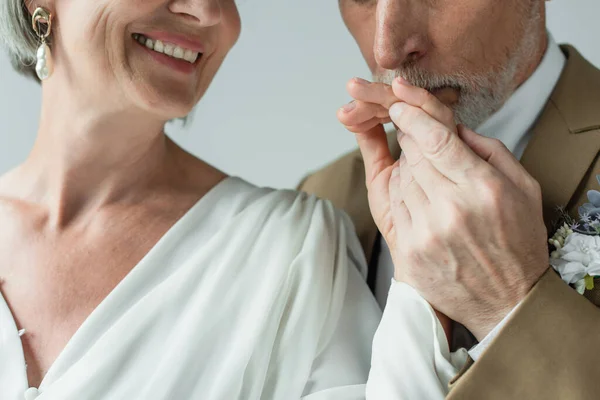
86,156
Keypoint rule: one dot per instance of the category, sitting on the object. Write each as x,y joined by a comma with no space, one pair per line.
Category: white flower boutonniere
577,244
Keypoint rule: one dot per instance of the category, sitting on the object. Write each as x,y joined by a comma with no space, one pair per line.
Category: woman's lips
174,57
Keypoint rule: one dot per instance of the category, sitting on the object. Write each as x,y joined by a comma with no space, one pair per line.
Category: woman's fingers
375,151
358,112
370,92
367,125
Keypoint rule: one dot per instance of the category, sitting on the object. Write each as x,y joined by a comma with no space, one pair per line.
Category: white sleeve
411,357
409,354
341,370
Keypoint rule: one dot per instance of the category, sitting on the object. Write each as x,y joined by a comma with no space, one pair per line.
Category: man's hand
462,217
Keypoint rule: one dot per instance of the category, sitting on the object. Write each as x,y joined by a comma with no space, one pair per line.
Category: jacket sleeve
549,349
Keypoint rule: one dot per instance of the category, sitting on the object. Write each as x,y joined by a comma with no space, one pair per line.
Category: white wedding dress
253,294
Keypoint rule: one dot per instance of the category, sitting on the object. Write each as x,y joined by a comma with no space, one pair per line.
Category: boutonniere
577,245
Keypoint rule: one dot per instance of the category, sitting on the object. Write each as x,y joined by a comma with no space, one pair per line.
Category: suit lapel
563,144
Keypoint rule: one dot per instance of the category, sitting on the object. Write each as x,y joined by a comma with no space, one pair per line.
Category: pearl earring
45,65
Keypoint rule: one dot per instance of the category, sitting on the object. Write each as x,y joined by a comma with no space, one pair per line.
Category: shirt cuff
478,349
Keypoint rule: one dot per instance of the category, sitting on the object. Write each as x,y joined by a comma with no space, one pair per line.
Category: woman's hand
365,116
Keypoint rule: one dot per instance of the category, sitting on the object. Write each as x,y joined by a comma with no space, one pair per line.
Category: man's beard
480,95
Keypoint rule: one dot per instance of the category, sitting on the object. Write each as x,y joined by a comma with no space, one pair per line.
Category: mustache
432,81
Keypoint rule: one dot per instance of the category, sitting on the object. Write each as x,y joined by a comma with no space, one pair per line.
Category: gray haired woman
133,270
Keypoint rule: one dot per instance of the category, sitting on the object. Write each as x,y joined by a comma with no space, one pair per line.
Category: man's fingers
371,92
418,97
413,195
398,209
367,125
440,145
428,177
497,155
358,112
375,151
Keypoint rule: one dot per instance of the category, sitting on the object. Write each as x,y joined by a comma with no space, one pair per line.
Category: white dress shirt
512,125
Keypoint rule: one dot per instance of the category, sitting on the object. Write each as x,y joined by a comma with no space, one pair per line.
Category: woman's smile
178,53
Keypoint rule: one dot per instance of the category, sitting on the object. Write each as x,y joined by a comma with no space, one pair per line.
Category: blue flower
591,209
589,213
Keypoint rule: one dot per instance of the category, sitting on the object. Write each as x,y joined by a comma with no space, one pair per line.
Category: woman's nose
206,12
399,36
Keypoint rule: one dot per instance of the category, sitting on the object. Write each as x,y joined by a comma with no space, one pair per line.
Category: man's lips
447,95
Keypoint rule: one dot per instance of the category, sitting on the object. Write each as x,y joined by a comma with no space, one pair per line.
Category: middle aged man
493,63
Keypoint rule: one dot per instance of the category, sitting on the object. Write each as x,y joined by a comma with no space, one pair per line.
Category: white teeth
178,52
189,56
167,48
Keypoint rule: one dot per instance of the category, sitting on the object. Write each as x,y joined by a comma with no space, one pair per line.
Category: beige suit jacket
550,348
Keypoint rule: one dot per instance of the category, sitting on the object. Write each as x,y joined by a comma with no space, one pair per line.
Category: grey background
269,117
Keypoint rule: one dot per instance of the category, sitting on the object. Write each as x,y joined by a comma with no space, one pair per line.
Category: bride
133,270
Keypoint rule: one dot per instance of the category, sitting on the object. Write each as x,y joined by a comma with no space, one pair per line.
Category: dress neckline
181,224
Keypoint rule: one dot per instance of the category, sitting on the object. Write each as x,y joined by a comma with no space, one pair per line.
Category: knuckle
438,141
492,191
454,218
381,112
495,142
358,130
430,240
534,187
390,97
498,144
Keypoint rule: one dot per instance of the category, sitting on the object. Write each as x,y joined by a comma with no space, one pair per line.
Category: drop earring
45,64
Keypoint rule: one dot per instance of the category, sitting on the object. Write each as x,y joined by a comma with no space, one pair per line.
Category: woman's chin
168,107
171,113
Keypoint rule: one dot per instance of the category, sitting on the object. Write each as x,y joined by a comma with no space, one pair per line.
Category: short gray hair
16,34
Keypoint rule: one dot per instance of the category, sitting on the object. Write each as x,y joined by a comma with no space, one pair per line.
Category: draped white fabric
253,294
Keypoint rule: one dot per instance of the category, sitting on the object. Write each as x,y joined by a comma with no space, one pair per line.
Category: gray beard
481,95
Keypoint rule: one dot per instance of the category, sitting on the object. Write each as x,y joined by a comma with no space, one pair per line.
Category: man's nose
400,34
